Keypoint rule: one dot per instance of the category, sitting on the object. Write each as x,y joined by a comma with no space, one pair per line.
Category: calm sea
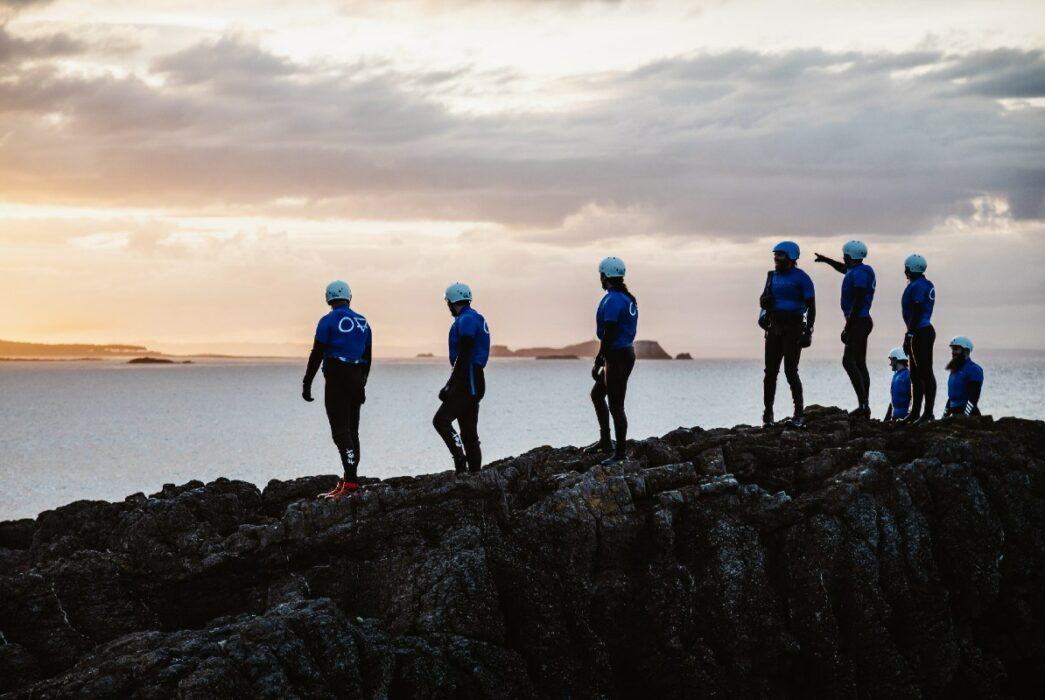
103,430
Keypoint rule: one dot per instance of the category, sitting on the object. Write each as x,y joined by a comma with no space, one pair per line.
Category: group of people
788,313
344,341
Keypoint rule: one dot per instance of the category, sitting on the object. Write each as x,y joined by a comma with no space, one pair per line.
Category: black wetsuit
923,381
460,401
854,358
343,395
783,342
612,386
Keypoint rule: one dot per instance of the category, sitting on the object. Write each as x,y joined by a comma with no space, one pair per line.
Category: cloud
14,49
734,144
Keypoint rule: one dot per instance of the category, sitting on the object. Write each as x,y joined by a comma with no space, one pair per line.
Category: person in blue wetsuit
858,287
966,380
900,389
343,346
616,322
469,352
790,304
916,306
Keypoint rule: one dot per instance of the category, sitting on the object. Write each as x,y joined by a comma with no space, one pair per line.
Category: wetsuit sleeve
810,313
972,391
833,263
367,362
465,354
315,359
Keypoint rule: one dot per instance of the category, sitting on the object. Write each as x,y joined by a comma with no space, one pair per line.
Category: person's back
346,333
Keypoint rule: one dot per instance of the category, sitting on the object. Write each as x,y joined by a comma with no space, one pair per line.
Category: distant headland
644,350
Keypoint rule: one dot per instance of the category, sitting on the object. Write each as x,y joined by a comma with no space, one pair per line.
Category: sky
190,175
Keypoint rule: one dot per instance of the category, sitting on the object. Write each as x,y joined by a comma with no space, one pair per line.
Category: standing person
900,389
857,294
790,303
916,305
616,322
965,382
343,346
469,351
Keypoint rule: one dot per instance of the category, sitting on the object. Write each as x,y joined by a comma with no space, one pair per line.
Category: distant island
425,354
644,350
557,357
683,356
156,361
10,348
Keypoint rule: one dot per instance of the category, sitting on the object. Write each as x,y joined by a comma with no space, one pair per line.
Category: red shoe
334,492
347,489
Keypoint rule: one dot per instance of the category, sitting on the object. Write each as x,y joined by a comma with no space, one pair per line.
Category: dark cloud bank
737,143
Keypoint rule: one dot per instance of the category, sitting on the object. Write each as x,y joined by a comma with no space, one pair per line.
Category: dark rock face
851,560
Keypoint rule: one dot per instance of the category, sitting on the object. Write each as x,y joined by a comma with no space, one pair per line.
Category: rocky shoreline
847,560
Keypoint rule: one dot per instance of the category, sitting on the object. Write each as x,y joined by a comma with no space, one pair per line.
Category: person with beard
966,380
900,387
790,304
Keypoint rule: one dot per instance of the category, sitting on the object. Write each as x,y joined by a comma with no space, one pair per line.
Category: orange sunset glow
189,176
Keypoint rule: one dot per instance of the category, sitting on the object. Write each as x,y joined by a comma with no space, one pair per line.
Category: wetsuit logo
360,323
486,327
632,310
932,294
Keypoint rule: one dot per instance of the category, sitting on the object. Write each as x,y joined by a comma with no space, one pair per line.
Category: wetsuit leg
455,405
792,347
469,422
342,395
619,364
602,413
854,359
922,378
774,353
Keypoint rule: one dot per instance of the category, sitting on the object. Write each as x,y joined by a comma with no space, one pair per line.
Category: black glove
817,257
444,392
807,338
306,392
907,340
845,336
596,373
766,301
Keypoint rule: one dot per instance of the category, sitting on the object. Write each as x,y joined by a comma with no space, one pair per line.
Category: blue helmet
788,248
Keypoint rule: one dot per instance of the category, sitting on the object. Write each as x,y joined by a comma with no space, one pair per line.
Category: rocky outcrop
850,560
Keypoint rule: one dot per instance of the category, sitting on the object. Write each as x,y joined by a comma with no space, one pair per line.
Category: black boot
767,418
474,456
604,444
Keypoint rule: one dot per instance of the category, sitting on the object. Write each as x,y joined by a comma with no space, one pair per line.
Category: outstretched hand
817,257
